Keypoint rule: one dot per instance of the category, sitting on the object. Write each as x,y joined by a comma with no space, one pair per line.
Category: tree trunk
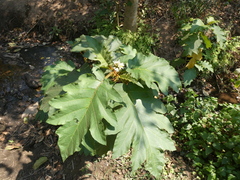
130,15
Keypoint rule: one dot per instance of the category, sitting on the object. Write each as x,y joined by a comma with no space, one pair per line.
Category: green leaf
97,48
98,73
126,78
39,162
92,47
188,76
91,147
204,65
52,72
192,44
220,34
55,78
155,162
186,27
82,107
208,150
111,42
127,53
152,69
142,127
211,20
44,109
197,25
73,75
206,41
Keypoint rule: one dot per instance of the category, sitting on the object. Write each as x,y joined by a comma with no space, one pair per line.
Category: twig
30,29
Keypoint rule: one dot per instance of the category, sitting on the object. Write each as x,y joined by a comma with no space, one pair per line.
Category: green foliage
236,78
236,82
223,59
209,48
105,19
141,40
109,103
196,36
107,22
208,134
55,31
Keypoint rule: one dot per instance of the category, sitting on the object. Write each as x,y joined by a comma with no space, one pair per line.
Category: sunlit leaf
52,72
204,65
152,69
221,38
82,107
211,20
197,25
194,59
142,127
207,42
97,48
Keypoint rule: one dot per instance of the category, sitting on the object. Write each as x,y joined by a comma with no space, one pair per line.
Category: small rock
237,71
31,67
31,82
30,112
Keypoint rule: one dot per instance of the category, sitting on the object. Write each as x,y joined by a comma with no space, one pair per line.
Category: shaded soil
72,17
22,140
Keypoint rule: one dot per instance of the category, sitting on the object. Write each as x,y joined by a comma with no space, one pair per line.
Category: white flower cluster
118,65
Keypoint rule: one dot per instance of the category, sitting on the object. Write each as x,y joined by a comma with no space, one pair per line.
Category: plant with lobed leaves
110,104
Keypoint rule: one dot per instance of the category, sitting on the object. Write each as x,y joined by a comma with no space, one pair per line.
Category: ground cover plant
111,102
207,47
208,134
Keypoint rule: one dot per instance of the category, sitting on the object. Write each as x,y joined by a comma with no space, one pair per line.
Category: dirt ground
22,140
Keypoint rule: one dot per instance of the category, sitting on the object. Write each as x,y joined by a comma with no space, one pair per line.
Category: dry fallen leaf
13,146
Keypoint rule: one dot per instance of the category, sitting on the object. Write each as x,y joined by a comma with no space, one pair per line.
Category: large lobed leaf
54,78
142,127
97,48
152,69
61,68
220,35
82,107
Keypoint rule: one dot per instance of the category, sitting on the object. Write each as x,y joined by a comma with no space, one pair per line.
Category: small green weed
209,133
55,31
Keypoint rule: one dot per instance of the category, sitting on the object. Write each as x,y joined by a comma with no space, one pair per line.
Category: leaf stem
109,75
